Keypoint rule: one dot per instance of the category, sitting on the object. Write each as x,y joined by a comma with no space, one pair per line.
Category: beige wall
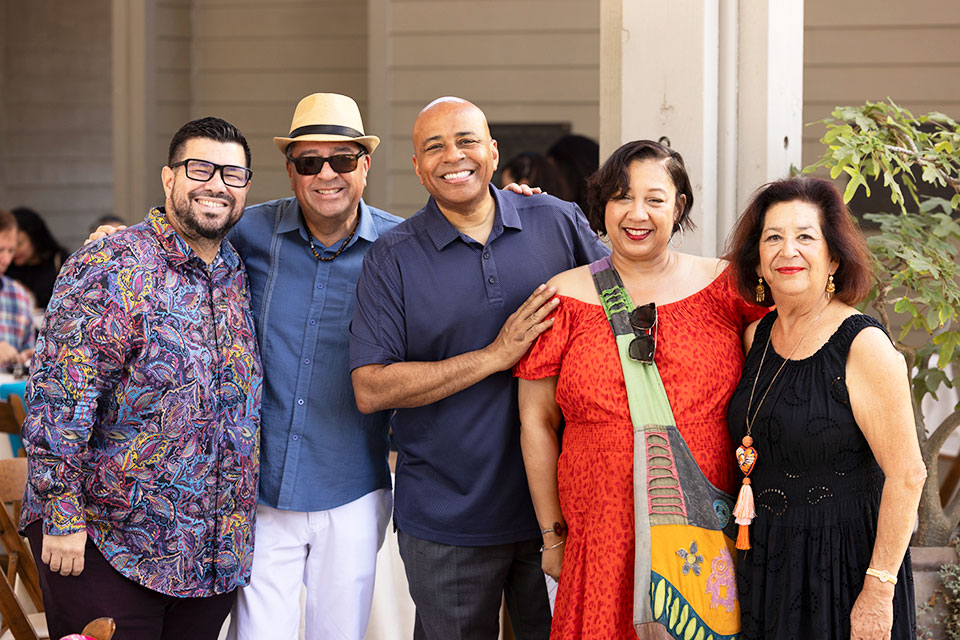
519,60
55,117
171,64
253,60
862,50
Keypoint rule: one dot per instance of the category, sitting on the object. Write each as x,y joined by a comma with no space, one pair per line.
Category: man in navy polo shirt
444,310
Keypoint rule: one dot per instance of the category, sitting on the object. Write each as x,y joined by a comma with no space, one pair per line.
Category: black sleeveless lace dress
817,489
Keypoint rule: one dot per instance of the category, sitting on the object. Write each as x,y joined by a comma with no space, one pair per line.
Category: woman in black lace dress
824,409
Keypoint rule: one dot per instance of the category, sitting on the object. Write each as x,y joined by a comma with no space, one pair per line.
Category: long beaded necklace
745,511
343,245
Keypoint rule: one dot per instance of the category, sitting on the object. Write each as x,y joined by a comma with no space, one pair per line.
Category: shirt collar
442,233
291,219
176,248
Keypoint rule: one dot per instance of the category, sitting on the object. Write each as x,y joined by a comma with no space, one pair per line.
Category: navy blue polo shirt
426,293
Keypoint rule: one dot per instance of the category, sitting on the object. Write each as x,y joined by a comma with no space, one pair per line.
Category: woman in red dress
641,199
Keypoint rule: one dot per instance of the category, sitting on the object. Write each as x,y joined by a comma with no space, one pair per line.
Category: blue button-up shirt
144,411
428,293
317,450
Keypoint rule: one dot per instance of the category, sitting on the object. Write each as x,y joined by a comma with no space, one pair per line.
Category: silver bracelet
542,548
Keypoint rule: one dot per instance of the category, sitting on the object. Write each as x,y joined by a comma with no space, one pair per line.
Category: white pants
332,552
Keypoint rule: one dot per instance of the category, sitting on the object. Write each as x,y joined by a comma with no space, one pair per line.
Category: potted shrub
917,278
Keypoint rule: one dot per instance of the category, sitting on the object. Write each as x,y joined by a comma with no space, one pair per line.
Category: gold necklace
744,511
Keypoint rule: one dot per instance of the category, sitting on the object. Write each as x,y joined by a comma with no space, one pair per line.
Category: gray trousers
457,590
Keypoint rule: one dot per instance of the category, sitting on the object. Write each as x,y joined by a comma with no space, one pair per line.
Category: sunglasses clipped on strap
643,320
312,165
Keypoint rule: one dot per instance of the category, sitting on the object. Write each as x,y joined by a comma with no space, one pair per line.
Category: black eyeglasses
643,347
312,165
201,171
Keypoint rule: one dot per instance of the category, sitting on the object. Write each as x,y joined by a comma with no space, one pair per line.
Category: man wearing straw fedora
325,495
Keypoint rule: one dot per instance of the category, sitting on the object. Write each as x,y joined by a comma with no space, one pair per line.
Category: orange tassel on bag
745,510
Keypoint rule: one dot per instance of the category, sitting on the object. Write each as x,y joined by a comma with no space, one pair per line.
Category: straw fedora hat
327,117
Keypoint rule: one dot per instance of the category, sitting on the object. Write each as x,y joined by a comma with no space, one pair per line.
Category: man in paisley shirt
143,426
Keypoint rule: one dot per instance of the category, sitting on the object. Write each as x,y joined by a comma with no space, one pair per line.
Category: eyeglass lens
233,176
312,165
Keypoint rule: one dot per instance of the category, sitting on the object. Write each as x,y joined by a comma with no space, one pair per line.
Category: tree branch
942,432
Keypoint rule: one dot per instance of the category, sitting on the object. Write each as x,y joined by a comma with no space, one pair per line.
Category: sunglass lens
642,348
343,163
644,317
309,165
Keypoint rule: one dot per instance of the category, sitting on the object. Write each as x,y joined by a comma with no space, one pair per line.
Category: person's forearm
541,451
403,385
898,512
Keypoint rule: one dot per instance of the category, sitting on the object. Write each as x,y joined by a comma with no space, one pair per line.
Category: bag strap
648,403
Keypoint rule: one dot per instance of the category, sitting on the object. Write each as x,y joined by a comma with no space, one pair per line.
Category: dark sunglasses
643,347
201,171
312,165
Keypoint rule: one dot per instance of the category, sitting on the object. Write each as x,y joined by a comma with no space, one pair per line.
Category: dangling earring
761,291
831,288
680,244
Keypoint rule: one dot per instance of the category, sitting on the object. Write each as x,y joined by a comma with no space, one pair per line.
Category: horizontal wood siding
254,60
863,50
55,118
521,61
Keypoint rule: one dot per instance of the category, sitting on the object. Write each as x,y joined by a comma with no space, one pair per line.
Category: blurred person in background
111,219
532,169
576,157
16,303
38,257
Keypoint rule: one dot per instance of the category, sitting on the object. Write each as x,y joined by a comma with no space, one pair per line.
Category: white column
721,80
770,108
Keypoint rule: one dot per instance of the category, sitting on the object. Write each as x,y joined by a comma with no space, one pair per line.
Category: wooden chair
12,414
18,625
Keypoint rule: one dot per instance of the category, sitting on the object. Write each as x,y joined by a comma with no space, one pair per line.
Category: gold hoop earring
831,288
761,292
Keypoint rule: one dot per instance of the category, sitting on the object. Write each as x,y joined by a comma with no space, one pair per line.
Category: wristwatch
882,575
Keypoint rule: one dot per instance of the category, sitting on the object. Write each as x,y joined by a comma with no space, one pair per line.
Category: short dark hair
211,128
845,242
7,221
612,180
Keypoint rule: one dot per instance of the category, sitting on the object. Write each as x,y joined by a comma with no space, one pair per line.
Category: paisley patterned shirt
143,423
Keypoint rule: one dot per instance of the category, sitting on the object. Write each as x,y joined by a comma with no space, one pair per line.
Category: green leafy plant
917,279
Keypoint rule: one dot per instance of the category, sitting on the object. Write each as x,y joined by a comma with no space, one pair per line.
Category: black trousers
458,590
100,590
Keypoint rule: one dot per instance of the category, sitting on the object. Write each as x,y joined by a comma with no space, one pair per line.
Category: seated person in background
16,303
532,169
39,256
111,219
